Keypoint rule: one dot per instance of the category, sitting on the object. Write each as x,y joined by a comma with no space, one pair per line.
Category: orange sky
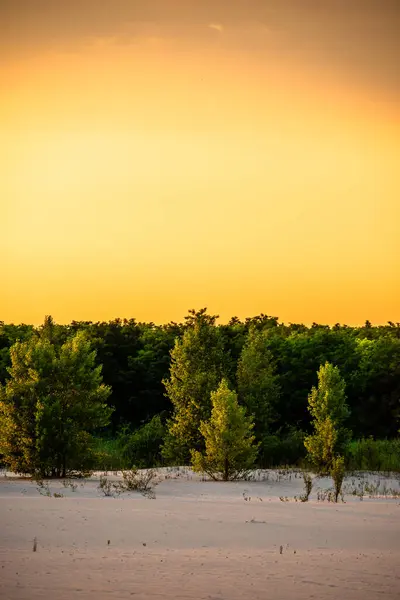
238,155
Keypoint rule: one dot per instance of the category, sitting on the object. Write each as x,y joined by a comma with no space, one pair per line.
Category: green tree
327,405
230,450
197,367
9,334
258,386
376,410
52,401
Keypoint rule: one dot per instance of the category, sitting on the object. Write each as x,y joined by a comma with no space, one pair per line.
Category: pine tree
327,405
230,450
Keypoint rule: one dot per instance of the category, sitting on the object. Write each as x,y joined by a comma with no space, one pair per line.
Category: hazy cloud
359,38
216,26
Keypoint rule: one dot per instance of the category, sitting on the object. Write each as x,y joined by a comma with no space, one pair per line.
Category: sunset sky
163,155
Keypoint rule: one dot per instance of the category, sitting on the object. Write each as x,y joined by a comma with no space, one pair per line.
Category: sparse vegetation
140,481
308,485
360,487
68,483
42,487
108,488
337,473
133,480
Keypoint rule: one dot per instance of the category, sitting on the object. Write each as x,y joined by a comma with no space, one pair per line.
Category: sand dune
196,540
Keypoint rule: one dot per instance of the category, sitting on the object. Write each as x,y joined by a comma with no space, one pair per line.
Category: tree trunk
226,471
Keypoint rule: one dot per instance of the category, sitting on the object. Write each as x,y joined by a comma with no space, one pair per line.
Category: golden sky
163,155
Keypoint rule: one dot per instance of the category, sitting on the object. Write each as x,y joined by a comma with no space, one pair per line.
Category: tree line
151,386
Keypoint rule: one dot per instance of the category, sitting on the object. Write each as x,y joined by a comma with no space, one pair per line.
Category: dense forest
272,365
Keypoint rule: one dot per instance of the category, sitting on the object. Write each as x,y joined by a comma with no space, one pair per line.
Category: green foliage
258,386
9,334
143,446
108,454
230,450
308,485
337,473
282,449
136,359
298,352
327,406
373,455
376,386
52,401
197,366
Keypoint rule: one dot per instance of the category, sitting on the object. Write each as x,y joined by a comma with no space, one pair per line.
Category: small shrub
42,487
55,495
139,481
337,474
68,483
108,488
323,495
308,485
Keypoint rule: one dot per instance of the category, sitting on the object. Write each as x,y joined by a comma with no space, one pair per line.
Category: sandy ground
197,540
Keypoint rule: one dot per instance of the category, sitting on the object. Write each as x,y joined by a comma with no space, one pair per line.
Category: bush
308,485
139,481
337,474
373,455
108,488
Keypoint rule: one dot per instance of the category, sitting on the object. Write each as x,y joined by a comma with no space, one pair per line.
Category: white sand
197,540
